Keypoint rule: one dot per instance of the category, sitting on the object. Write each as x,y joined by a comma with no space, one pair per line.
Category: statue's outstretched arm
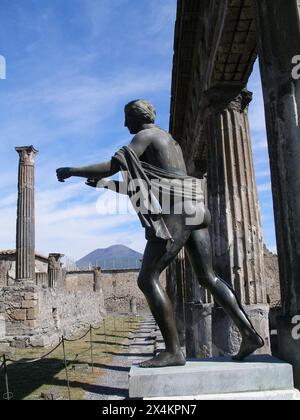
97,171
105,169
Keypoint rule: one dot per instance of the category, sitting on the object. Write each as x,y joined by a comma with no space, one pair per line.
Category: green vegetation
29,381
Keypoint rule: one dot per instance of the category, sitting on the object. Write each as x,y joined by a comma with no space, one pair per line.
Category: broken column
278,26
133,306
175,284
25,240
97,280
198,316
55,271
236,224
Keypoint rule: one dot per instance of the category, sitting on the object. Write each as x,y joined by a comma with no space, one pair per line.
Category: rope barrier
4,365
51,351
28,362
72,340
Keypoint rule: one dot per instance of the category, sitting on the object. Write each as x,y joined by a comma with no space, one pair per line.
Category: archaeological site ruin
216,45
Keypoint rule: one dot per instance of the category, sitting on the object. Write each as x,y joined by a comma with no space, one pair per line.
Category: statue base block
259,377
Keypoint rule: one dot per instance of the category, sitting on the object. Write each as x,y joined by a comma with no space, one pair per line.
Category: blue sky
71,67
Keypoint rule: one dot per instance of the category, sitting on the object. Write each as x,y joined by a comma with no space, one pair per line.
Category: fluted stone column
55,272
25,241
233,201
278,26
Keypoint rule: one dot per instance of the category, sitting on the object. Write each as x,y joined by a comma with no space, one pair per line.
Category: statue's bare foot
164,359
249,345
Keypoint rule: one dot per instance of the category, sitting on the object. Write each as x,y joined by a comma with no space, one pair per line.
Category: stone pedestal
212,378
226,337
22,303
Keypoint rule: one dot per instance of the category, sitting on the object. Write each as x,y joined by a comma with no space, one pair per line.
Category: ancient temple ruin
216,45
39,299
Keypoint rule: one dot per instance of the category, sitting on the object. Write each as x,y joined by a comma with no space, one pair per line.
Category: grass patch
28,381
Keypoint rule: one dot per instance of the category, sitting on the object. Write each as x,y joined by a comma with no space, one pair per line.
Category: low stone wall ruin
39,317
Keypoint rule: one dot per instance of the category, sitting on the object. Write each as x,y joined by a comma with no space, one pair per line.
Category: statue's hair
142,110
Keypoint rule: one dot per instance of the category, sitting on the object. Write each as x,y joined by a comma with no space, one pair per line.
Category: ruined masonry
216,46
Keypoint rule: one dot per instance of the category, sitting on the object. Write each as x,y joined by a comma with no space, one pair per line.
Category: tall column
25,241
233,201
278,26
55,272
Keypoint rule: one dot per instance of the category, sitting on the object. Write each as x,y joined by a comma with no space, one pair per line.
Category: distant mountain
114,257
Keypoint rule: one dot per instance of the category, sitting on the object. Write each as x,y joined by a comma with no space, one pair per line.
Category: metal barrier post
92,353
7,395
66,367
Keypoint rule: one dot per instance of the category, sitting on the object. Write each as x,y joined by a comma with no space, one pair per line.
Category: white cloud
263,173
264,187
259,145
65,224
77,105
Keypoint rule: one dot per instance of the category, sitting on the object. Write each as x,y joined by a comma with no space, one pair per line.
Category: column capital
219,98
54,261
27,154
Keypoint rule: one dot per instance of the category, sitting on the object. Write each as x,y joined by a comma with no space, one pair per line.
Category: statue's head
137,113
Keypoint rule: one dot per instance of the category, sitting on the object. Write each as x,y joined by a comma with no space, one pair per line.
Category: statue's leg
157,257
198,248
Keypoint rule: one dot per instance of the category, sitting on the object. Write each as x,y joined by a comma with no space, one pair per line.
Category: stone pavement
113,384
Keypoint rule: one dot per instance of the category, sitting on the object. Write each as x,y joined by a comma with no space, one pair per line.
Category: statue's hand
63,173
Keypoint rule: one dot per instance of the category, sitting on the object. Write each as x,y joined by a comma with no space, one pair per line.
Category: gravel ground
113,384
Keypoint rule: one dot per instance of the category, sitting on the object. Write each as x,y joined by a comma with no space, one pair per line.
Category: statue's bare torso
162,150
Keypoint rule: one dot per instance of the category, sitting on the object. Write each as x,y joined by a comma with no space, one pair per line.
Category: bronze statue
154,154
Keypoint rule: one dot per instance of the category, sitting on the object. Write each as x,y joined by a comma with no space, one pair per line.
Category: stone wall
83,281
119,286
8,269
5,267
38,316
67,314
272,279
19,304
